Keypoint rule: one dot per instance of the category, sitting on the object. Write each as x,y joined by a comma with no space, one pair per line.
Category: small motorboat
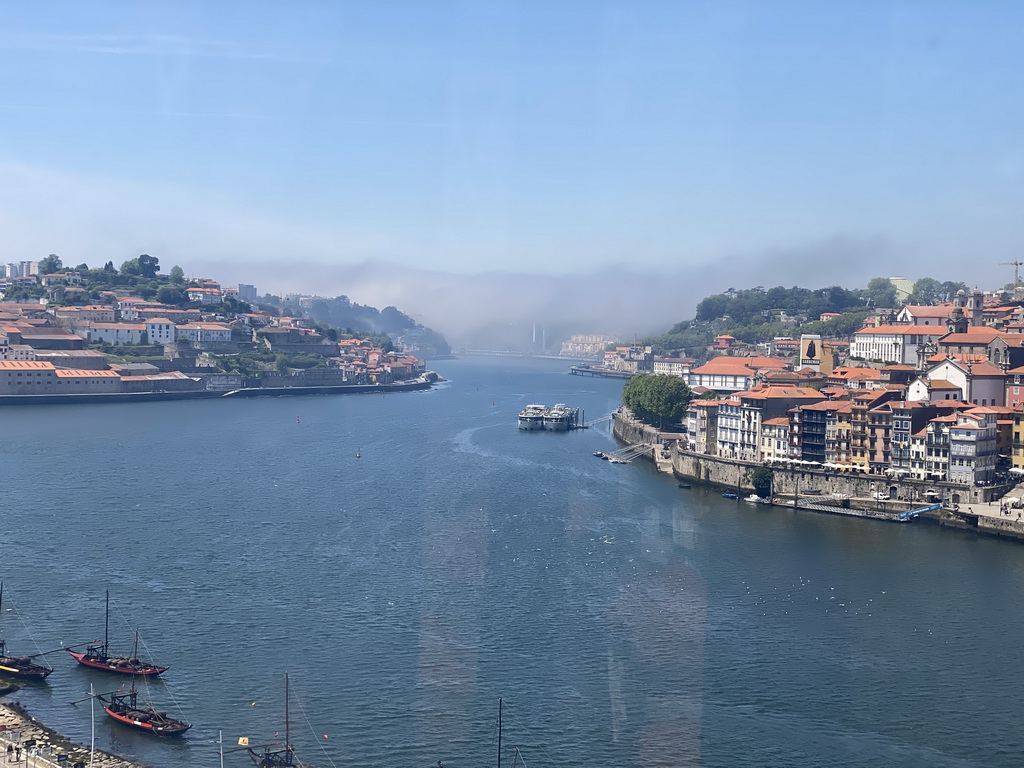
599,454
685,486
730,496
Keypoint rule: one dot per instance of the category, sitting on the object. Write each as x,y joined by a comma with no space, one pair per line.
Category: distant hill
754,315
342,313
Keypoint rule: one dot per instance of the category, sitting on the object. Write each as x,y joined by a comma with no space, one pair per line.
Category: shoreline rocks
16,719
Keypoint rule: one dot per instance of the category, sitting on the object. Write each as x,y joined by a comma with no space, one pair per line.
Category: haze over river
625,622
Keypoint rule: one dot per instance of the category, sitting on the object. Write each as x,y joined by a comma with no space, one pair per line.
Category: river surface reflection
456,560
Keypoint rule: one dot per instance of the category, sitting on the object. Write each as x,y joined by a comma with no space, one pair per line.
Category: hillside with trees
141,277
342,313
754,315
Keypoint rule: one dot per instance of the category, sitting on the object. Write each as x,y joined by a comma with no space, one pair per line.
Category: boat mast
3,649
287,731
499,732
106,624
92,737
135,655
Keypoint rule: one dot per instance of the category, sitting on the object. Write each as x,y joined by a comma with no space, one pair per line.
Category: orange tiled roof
77,373
25,365
903,330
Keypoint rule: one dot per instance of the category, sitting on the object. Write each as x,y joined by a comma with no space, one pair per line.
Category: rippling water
624,621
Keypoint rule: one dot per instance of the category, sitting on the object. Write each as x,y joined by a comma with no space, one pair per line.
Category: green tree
148,266
713,307
171,294
949,288
881,292
131,267
926,291
761,479
177,275
657,399
50,264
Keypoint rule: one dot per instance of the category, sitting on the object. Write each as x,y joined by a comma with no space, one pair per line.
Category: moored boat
531,418
97,656
277,755
123,706
19,666
559,418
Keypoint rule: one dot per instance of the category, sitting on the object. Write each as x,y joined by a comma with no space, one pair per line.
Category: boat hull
130,719
116,665
26,670
556,425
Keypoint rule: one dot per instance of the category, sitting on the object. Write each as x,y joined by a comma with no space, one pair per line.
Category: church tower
976,305
957,322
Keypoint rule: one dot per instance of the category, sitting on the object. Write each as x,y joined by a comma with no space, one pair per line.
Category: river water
624,621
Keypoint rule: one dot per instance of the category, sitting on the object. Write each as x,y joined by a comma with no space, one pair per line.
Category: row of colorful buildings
930,393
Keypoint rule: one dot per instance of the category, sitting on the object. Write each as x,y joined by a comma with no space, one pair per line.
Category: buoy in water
297,420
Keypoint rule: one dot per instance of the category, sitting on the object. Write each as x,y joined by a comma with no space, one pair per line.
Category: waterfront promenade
979,509
26,743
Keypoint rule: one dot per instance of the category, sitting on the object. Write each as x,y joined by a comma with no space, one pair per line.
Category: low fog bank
499,309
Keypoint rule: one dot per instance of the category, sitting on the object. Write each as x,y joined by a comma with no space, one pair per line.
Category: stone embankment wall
736,475
727,473
977,507
19,727
631,431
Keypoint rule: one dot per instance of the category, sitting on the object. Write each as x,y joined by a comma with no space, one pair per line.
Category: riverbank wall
37,746
425,381
974,509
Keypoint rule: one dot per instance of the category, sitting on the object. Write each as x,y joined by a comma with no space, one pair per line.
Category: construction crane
1016,269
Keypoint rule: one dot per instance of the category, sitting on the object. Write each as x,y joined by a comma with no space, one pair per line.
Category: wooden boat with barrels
123,706
20,666
97,656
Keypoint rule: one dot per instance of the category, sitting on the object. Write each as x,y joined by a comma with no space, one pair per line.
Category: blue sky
547,136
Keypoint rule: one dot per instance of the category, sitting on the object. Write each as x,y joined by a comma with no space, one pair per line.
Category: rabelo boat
19,666
97,656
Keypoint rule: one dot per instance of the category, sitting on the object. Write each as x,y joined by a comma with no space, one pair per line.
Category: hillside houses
65,349
929,392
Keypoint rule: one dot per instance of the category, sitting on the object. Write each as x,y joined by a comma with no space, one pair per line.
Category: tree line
755,315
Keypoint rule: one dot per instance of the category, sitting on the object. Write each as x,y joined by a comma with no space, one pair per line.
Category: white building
731,374
894,343
21,269
111,333
978,383
204,295
972,447
925,315
672,366
198,333
160,330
